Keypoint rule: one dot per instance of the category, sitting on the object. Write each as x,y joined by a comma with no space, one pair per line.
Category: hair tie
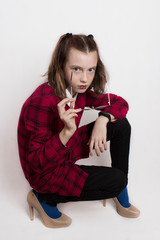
90,36
67,36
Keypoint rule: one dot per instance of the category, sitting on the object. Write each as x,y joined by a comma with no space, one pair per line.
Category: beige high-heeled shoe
63,221
130,212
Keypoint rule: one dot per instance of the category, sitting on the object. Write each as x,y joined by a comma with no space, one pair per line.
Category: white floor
90,220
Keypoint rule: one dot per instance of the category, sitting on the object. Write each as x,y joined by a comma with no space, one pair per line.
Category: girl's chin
81,90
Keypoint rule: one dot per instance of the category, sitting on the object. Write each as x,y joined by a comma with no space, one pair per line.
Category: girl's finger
96,145
71,115
91,145
72,105
65,101
70,111
100,145
64,113
105,144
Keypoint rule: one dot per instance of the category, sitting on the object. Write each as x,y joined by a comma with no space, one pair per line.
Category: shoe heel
63,221
104,203
31,212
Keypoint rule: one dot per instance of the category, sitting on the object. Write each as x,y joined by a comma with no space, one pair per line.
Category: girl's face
83,65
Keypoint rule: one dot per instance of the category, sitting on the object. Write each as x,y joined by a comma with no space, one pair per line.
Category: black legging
103,182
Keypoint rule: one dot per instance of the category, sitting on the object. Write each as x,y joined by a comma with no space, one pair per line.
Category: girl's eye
76,69
91,70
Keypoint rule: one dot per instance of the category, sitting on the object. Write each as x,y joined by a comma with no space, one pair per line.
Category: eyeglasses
91,108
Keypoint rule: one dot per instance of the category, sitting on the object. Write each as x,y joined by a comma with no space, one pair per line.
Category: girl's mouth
82,86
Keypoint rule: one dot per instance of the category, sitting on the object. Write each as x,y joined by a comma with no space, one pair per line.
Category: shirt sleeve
45,149
118,106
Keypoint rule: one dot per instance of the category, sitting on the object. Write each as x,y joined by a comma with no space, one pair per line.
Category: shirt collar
69,96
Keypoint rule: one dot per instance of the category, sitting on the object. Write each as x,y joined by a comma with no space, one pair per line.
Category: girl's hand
99,135
68,117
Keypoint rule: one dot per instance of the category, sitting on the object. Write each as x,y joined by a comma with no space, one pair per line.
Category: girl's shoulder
43,96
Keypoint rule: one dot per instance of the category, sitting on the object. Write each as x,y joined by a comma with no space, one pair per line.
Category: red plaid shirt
48,165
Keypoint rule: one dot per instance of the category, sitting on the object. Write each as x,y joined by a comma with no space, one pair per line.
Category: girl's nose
84,77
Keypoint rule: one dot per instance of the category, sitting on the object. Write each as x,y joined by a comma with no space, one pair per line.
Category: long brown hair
55,73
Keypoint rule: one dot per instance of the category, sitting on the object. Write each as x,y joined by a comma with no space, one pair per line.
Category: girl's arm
118,108
68,118
97,140
44,149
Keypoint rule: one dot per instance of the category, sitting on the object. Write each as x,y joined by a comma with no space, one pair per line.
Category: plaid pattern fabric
47,164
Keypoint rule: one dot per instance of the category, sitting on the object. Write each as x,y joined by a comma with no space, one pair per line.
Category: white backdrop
128,35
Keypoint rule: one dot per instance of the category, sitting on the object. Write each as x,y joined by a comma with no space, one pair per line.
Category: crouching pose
50,140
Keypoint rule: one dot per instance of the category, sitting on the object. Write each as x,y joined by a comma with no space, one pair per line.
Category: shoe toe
130,212
133,211
63,221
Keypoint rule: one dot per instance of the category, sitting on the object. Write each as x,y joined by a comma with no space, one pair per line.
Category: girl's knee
125,124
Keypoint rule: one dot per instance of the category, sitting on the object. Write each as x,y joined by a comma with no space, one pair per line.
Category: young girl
50,141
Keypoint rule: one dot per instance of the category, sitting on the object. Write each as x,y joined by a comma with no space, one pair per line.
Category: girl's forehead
78,57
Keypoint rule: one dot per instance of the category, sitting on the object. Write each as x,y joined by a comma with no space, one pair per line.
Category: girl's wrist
105,114
103,119
65,135
69,132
